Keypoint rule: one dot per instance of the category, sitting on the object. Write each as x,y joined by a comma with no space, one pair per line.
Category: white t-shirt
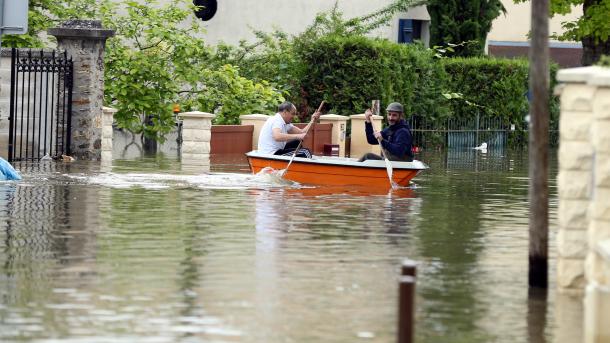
266,143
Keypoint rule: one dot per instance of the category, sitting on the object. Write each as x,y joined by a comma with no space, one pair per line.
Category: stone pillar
107,132
84,41
338,131
597,265
358,143
574,179
258,120
584,194
196,137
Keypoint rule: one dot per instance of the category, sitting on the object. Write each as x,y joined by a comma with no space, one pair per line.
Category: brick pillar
258,120
85,40
358,143
196,138
338,131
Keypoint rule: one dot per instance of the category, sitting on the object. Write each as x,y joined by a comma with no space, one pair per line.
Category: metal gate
459,132
40,104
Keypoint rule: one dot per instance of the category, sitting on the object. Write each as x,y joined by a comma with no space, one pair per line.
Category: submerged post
406,301
538,146
406,307
409,268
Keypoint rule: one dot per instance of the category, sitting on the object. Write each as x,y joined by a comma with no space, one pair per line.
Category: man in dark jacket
395,140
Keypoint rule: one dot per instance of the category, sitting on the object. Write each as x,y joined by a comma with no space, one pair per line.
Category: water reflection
536,315
143,252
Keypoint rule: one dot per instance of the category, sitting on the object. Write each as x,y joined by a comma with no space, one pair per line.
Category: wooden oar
388,164
283,172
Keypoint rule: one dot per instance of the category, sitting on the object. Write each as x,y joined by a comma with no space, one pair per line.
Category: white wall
515,25
235,19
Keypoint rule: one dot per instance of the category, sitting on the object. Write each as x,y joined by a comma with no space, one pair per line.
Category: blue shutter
405,31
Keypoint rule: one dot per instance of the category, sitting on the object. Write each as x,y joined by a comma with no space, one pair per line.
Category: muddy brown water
142,252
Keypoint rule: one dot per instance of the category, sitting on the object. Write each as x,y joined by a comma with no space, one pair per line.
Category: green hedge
494,87
349,72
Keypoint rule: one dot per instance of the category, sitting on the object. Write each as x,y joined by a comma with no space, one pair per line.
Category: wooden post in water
539,145
406,302
409,268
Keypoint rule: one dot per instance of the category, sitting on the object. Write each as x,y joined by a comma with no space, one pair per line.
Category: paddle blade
390,170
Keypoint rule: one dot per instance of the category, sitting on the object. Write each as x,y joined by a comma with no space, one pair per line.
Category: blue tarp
7,172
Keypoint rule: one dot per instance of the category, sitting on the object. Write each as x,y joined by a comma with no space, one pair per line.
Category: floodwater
142,252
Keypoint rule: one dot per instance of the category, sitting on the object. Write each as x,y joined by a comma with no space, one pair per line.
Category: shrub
497,88
155,60
348,72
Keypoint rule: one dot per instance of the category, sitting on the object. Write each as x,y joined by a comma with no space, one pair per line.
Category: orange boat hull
333,174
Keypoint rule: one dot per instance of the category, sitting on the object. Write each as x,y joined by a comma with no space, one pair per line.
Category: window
207,10
409,30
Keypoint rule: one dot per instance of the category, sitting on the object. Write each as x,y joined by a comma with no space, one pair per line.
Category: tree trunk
593,49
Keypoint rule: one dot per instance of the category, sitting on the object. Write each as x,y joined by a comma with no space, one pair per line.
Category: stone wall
584,194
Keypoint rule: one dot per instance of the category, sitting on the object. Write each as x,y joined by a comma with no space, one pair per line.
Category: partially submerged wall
584,194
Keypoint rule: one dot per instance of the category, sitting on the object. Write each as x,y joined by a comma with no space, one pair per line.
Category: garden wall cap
361,116
332,116
83,29
576,75
254,116
196,115
593,75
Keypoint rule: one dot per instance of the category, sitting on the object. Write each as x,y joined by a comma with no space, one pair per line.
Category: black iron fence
471,132
40,104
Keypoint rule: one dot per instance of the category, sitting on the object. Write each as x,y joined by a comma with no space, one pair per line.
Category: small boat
328,170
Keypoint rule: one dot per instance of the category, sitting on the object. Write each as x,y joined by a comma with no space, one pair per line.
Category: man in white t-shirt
279,137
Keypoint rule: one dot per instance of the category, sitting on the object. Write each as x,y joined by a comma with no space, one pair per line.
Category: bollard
409,268
406,306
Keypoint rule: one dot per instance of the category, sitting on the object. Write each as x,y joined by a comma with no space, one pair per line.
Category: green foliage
271,58
496,88
604,61
156,60
592,28
348,72
279,58
230,95
332,22
595,21
456,21
44,14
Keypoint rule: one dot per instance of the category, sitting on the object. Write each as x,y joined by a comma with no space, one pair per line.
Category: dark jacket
397,140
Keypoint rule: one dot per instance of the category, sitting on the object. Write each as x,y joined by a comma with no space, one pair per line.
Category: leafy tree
44,14
280,58
592,29
458,21
156,59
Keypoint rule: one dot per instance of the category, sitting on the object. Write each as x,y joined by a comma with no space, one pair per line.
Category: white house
508,36
233,20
